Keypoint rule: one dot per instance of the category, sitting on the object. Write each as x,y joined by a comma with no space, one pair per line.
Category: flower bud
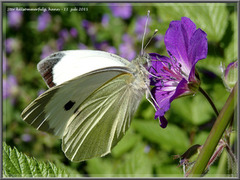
230,75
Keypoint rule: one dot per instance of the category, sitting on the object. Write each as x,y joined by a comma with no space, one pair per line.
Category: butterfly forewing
52,110
66,65
101,120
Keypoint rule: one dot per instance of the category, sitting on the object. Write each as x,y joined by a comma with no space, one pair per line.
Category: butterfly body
92,98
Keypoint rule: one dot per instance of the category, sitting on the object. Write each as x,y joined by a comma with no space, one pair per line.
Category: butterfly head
144,60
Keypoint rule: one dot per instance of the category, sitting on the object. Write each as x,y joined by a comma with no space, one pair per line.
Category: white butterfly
91,100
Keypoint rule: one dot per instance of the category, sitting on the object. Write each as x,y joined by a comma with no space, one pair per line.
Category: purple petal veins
174,76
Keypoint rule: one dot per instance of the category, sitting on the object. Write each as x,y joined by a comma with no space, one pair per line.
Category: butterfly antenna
155,32
145,29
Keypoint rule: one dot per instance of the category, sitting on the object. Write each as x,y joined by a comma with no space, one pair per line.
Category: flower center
171,72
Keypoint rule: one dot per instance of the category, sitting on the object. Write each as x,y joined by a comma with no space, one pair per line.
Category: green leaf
24,165
17,164
136,164
200,138
231,51
166,170
212,63
170,138
71,172
10,166
99,167
127,142
210,17
196,110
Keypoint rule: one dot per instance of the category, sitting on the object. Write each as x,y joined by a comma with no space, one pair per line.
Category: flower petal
181,89
198,47
192,77
163,121
232,65
162,99
177,40
157,60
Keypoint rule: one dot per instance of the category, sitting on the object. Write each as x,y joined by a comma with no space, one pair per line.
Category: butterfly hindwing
101,120
51,110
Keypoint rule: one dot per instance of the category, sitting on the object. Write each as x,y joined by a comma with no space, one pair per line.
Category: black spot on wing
69,105
45,67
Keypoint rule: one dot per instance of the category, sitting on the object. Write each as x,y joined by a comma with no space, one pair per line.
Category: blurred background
32,31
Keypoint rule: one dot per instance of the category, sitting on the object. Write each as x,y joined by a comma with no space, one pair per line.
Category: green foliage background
146,150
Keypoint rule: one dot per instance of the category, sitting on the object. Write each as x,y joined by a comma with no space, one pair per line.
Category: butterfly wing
51,110
101,120
63,66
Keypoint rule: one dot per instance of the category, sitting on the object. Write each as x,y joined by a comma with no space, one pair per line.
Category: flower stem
209,100
215,135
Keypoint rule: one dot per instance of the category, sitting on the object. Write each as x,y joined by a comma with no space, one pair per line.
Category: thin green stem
209,100
215,135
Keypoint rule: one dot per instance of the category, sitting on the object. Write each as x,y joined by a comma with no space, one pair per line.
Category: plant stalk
215,134
209,100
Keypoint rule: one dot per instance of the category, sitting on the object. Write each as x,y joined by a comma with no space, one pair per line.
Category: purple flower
105,47
43,21
10,44
47,50
60,43
4,64
26,137
158,38
73,32
140,26
64,34
111,49
105,20
90,28
147,149
82,46
230,75
174,76
126,49
63,37
123,10
127,39
15,18
10,87
85,24
5,89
